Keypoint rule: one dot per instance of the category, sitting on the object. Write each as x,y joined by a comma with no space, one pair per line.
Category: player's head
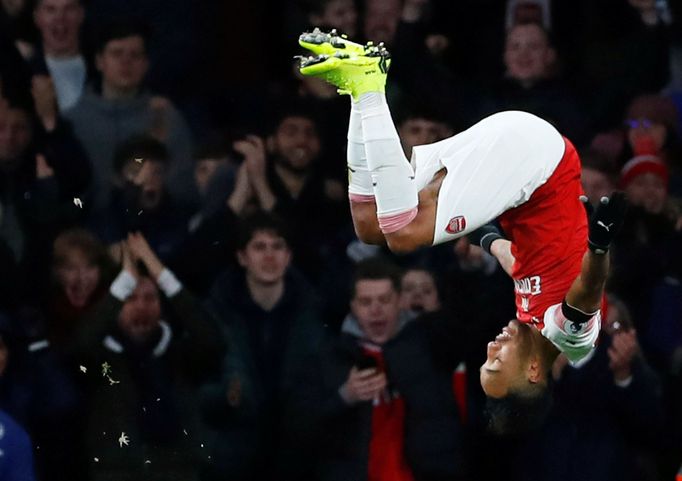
515,378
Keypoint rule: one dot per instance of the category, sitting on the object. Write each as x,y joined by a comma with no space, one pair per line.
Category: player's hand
622,351
605,221
363,385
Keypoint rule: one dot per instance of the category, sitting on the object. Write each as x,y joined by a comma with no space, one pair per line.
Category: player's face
78,277
141,312
265,258
506,360
376,306
123,63
296,142
59,22
527,54
596,184
648,191
418,292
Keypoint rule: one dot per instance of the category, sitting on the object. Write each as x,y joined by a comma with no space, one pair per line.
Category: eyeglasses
639,123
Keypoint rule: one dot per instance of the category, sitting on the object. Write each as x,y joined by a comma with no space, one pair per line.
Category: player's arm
585,295
493,242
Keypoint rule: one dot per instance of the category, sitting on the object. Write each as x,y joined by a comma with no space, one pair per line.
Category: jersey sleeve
575,340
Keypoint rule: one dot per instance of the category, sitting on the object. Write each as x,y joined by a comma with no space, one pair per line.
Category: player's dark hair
261,222
376,268
139,147
119,28
520,412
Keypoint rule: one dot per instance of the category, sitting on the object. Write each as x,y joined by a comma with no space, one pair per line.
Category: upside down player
511,165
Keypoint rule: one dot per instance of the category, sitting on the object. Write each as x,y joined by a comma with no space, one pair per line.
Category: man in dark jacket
144,369
379,403
269,314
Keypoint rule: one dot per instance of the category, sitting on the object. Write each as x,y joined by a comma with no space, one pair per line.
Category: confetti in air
84,369
106,372
123,440
138,160
77,202
96,460
185,431
147,462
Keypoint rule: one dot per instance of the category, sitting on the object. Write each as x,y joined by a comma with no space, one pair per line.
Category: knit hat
643,164
657,108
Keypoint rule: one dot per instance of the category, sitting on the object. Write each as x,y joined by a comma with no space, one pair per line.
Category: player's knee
399,243
369,236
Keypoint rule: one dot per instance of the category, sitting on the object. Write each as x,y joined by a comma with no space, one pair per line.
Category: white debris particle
202,445
123,440
158,399
84,369
96,460
185,431
140,213
77,202
144,409
147,462
138,160
106,369
112,381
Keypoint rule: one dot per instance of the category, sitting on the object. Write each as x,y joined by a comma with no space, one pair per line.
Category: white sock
359,179
392,174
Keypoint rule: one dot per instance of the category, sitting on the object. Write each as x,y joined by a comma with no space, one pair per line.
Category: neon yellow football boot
351,74
322,43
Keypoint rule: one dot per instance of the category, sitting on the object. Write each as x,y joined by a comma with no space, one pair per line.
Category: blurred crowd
182,296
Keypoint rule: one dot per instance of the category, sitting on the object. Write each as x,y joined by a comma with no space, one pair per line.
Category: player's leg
395,193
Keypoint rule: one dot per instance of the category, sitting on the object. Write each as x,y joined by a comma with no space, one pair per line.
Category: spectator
42,171
419,127
418,291
597,175
269,314
532,81
339,14
80,271
59,56
379,401
144,368
290,179
141,199
644,251
122,108
16,461
37,391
